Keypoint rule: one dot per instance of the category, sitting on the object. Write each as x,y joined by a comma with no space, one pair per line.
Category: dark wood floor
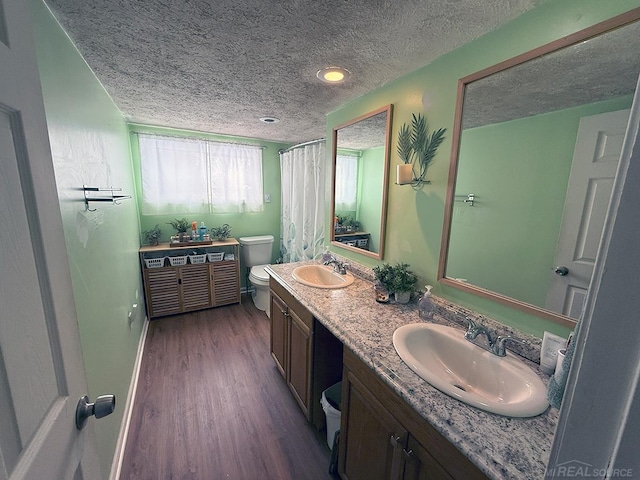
211,405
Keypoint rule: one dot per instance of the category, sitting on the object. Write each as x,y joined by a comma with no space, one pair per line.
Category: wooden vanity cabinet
383,438
307,355
292,343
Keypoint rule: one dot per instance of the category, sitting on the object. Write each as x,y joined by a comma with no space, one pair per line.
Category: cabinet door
163,291
195,286
279,318
420,465
225,282
371,439
299,360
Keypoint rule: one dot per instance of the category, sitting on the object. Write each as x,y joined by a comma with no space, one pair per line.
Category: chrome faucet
338,266
494,344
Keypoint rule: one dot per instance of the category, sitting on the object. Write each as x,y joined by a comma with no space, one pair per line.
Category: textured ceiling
602,68
219,65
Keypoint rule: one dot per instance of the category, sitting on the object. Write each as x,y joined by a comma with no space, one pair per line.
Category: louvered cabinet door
162,291
225,282
195,287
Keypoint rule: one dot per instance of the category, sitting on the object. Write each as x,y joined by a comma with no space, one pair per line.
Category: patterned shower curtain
302,173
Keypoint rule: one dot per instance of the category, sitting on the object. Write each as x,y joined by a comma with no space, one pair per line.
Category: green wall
519,172
266,222
415,218
89,143
370,180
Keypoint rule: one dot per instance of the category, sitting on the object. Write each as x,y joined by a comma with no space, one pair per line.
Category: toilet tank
256,250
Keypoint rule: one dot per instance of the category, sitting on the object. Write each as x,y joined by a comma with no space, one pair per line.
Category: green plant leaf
405,143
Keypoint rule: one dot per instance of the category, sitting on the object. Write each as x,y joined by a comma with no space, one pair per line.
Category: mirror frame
570,40
385,180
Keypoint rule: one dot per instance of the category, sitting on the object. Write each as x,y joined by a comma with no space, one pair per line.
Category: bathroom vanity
308,356
394,424
192,286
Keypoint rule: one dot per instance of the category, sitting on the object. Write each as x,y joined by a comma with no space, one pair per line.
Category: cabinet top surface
502,447
229,242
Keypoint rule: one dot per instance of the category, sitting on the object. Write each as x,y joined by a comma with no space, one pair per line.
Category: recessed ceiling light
333,74
269,119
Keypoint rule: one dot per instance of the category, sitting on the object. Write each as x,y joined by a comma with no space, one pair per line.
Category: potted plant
397,279
152,236
384,281
384,275
403,282
220,233
351,224
181,225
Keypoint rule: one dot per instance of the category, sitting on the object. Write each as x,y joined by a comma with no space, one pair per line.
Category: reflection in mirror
535,151
359,187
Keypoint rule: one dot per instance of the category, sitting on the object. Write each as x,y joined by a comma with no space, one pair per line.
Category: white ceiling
219,65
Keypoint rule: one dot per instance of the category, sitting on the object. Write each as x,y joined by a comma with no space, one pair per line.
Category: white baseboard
116,465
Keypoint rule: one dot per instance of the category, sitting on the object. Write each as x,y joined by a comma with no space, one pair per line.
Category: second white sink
321,276
441,356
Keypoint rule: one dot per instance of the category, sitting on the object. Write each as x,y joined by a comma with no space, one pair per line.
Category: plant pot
402,297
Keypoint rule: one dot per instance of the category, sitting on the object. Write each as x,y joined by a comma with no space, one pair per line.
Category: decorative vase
402,297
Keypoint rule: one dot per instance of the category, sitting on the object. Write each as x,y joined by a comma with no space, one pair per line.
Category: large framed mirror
359,182
536,144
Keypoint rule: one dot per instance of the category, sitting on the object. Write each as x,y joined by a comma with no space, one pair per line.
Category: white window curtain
302,175
174,175
346,182
199,176
235,178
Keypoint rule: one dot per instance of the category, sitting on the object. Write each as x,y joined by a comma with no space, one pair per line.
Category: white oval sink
464,371
321,276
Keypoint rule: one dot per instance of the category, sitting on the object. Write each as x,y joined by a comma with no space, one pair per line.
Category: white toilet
255,253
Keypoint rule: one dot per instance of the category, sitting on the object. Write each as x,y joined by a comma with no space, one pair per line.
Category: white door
41,370
593,170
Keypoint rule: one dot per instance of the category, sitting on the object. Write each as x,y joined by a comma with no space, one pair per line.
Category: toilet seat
259,275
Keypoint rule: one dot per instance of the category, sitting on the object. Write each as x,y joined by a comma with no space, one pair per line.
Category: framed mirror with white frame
360,172
536,144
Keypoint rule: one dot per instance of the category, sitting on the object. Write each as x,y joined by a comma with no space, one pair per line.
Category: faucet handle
499,345
472,326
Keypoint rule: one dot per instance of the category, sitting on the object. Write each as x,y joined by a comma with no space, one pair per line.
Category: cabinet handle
408,455
394,441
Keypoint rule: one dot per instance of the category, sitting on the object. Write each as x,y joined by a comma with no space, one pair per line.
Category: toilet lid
259,273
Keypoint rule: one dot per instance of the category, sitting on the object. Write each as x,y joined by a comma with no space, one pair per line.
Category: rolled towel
558,380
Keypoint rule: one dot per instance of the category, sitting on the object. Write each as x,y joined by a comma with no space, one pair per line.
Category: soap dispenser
425,305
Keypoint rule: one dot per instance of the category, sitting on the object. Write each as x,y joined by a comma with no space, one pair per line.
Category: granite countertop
502,447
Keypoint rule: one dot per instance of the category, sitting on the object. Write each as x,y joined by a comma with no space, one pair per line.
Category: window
346,182
185,175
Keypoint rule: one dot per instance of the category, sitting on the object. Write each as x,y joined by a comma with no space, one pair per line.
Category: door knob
561,270
103,406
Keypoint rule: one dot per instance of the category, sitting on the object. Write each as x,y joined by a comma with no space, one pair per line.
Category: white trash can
332,414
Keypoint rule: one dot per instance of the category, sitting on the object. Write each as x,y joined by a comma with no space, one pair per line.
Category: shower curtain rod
304,144
192,137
